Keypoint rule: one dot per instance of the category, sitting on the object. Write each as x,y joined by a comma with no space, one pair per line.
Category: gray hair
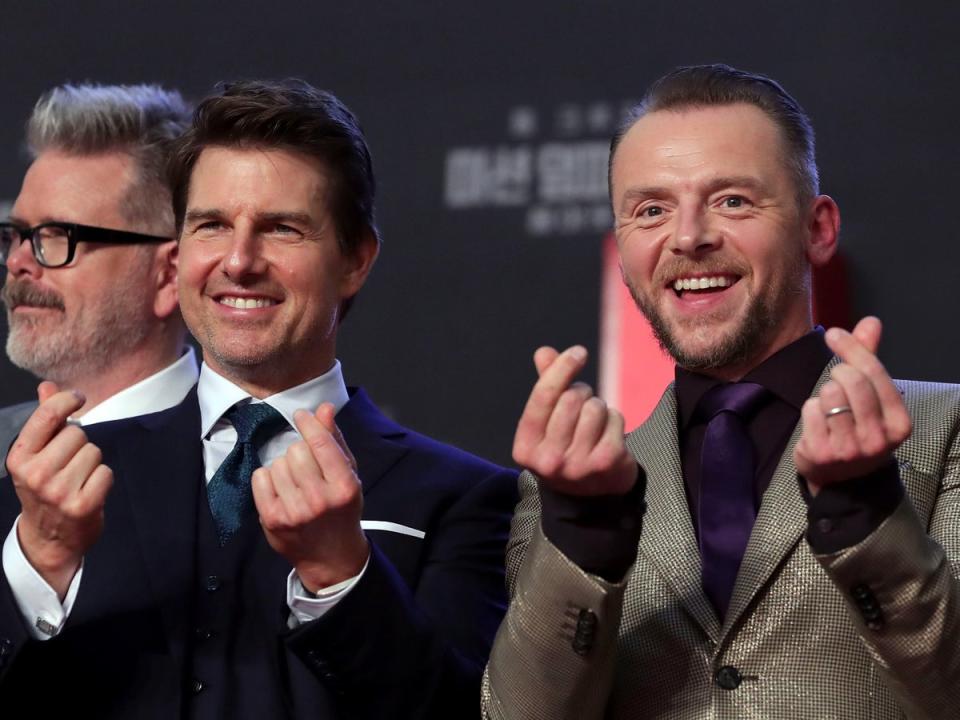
141,120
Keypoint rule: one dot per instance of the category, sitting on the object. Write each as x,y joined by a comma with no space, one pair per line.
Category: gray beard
85,346
65,356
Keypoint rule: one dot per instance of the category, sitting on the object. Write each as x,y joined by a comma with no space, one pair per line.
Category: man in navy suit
245,554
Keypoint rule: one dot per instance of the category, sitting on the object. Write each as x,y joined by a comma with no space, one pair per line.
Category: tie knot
743,398
255,422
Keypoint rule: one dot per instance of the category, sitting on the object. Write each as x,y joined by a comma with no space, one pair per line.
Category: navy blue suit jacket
409,641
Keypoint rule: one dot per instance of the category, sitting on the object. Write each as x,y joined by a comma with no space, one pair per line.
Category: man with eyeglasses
90,289
90,261
274,546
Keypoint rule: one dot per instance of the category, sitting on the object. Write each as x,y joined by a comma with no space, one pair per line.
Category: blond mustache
673,269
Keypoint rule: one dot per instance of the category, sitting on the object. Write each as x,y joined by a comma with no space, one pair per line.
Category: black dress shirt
600,534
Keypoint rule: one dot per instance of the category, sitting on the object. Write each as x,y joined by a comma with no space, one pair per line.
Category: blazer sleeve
14,636
389,650
553,656
902,583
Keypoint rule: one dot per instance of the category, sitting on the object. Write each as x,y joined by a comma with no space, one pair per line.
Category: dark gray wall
473,277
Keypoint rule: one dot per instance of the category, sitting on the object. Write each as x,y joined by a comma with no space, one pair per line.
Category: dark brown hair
290,115
711,85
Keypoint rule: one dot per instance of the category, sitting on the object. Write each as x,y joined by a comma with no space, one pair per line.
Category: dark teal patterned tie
229,492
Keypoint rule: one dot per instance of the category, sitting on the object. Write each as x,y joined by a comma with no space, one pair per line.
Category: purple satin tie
727,468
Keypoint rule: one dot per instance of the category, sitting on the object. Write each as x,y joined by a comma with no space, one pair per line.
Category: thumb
868,332
544,357
46,390
325,414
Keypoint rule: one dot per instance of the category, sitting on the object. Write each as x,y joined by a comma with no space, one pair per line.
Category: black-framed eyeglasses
55,243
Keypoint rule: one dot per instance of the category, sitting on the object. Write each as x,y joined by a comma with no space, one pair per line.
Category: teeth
246,303
702,283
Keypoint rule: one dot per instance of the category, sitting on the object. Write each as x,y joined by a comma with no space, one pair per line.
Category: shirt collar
790,374
158,392
216,395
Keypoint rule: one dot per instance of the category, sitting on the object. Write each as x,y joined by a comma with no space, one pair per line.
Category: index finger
333,462
47,420
553,381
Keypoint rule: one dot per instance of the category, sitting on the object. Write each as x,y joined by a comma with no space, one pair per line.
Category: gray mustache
21,293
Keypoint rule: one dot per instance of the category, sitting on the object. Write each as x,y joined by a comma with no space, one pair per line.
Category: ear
165,279
823,230
358,264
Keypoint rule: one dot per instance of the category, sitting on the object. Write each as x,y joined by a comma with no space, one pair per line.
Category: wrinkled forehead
265,172
89,189
726,139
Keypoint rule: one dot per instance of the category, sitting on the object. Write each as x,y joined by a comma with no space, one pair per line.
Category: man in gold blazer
781,538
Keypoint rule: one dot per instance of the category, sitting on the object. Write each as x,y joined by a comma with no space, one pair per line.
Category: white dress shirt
40,606
217,395
38,602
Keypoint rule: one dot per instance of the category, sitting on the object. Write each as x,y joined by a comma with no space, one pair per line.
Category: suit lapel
780,524
12,420
374,439
668,540
159,467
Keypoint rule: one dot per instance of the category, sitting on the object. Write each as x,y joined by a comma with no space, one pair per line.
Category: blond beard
761,317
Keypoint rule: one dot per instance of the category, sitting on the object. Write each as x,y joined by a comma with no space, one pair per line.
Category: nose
21,261
244,257
693,233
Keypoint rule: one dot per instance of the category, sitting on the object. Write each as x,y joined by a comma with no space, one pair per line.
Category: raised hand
852,428
310,501
569,437
62,486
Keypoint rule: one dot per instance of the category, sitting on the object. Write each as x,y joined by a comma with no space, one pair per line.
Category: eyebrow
298,217
14,220
198,214
745,181
201,214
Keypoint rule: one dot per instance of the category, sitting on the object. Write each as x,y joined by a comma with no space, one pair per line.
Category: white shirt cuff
42,611
305,606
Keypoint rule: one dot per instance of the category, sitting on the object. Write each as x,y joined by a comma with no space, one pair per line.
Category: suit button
203,634
197,686
213,583
583,636
869,607
317,660
728,677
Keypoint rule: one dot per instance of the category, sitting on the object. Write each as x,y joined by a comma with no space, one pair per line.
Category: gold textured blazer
871,632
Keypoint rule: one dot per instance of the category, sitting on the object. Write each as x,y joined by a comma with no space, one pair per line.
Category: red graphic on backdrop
634,370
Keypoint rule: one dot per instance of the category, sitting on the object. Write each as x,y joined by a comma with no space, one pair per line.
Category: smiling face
262,276
70,323
713,243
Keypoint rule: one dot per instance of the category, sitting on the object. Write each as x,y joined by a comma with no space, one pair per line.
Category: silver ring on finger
838,410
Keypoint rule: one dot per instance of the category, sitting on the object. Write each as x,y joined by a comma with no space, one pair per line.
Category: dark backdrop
487,122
